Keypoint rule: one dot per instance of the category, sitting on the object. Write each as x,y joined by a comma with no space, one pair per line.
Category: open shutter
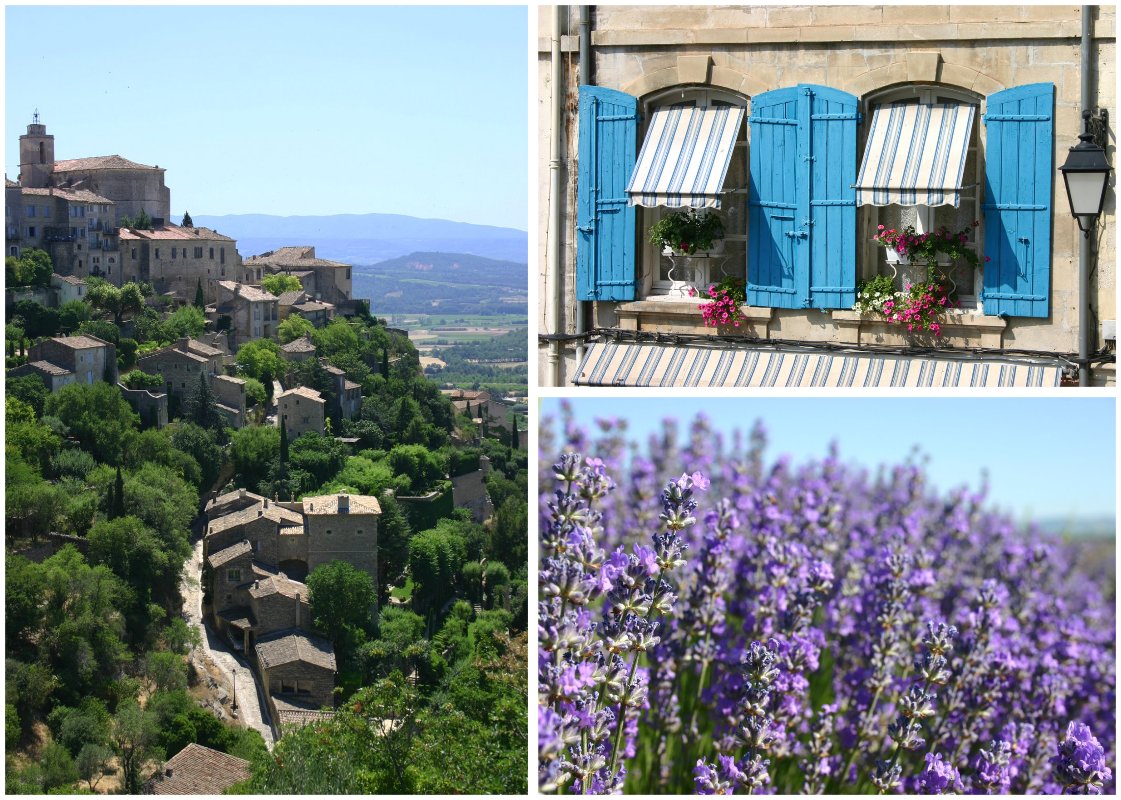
777,255
605,223
1019,146
831,149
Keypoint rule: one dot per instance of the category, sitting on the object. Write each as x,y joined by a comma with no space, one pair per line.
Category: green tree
200,445
32,268
280,283
253,451
400,644
337,337
202,409
30,389
187,221
200,298
165,672
184,321
71,315
97,416
135,734
424,469
510,533
58,767
393,542
37,320
261,359
110,299
514,432
92,761
435,559
293,328
138,379
342,598
321,457
255,392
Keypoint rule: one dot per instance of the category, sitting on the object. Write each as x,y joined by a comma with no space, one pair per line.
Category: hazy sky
284,109
1063,467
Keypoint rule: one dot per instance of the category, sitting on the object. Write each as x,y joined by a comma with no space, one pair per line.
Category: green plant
871,295
723,310
924,248
687,231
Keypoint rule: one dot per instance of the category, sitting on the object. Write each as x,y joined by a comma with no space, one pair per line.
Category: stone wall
642,50
352,538
151,406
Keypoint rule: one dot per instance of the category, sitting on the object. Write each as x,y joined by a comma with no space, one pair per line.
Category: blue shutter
605,223
801,200
776,255
833,117
1019,144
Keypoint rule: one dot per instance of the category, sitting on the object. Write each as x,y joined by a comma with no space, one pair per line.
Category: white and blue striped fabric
649,364
915,155
685,157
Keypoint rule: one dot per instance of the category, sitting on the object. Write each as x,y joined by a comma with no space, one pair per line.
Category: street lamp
1086,173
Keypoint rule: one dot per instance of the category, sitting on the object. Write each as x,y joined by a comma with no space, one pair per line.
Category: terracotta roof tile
329,504
99,162
301,345
278,584
303,391
79,342
198,770
292,646
228,554
49,368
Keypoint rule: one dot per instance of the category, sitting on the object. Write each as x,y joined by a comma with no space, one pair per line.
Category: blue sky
284,109
1063,467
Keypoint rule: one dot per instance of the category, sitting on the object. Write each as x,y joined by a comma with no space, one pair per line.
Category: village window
157,252
184,252
198,252
222,255
288,685
173,253
13,251
134,254
955,211
31,231
233,575
211,253
31,211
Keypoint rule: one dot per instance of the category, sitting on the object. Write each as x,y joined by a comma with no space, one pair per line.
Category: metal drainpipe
553,264
1084,243
584,29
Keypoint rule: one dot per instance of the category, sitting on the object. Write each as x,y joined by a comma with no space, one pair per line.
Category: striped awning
652,364
685,157
915,155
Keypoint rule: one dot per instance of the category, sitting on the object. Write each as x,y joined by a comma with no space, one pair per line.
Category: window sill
673,315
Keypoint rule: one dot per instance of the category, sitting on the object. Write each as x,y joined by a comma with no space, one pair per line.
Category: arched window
654,267
924,218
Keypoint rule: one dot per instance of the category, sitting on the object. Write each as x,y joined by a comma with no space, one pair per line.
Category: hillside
448,283
368,238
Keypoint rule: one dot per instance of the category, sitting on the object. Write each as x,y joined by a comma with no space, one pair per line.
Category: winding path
252,708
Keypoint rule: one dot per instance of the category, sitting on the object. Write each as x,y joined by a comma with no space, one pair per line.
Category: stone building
86,357
301,410
178,260
75,227
247,312
298,349
132,187
329,281
347,392
229,394
181,364
68,288
342,527
780,104
297,671
197,769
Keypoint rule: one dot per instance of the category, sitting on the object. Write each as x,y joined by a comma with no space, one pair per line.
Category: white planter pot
895,257
716,250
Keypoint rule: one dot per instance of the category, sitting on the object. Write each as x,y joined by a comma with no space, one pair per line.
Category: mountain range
368,238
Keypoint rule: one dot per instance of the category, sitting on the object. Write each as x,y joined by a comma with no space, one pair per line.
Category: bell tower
36,155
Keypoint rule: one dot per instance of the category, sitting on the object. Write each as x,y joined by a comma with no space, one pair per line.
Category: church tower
36,155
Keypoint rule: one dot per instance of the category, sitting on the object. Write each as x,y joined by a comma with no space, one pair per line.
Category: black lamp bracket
1097,124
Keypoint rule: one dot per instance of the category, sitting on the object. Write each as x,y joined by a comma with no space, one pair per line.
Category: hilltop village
239,518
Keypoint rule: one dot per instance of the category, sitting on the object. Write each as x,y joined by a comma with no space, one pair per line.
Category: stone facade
300,410
342,527
298,349
68,288
90,359
151,407
181,364
251,312
297,667
648,52
230,395
348,392
76,227
177,260
329,281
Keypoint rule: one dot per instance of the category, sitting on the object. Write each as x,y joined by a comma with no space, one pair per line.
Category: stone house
229,392
323,279
301,410
87,357
151,407
251,312
470,491
342,527
177,260
68,288
197,769
348,392
298,668
298,349
786,109
181,364
53,376
301,303
76,227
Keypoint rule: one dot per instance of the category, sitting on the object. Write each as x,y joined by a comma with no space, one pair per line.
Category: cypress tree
385,363
117,508
200,300
514,432
187,221
283,441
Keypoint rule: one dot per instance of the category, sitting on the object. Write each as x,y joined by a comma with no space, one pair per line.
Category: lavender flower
1080,764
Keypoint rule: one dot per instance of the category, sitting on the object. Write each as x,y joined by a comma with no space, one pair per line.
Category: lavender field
717,619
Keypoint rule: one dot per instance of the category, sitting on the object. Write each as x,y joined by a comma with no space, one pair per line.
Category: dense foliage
761,627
